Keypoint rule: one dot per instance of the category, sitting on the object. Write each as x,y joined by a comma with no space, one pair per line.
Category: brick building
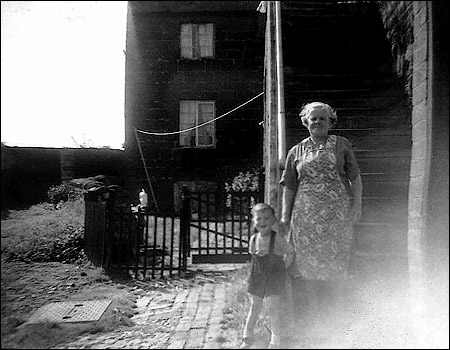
188,63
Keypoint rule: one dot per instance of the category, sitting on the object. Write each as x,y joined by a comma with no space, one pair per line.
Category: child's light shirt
260,245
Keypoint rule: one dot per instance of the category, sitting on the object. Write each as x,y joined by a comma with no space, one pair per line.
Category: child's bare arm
251,245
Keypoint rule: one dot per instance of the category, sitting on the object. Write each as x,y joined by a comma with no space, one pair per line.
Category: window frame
196,48
183,125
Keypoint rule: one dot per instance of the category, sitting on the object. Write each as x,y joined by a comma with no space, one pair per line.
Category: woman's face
318,122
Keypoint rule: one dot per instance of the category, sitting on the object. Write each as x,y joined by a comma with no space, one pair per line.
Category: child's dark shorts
267,276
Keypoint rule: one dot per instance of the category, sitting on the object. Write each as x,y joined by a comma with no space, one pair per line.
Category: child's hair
262,207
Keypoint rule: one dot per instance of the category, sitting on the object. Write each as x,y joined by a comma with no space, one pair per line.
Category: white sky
63,73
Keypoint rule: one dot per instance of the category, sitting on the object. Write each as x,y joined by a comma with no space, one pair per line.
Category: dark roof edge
192,6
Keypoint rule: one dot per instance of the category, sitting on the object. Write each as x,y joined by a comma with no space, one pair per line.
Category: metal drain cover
70,311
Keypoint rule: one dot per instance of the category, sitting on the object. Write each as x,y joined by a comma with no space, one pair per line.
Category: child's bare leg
256,305
275,311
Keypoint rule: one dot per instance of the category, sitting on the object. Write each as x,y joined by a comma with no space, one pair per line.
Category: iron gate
219,225
212,227
124,239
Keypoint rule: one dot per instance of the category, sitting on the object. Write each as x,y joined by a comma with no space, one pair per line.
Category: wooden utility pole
274,129
270,122
280,87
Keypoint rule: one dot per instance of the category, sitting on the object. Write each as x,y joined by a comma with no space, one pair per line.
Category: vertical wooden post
110,256
271,164
280,87
281,141
274,125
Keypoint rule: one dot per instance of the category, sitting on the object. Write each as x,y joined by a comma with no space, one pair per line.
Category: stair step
383,239
384,165
384,177
293,102
322,9
380,265
335,82
367,133
377,210
359,92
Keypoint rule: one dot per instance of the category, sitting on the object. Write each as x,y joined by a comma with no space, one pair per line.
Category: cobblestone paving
186,318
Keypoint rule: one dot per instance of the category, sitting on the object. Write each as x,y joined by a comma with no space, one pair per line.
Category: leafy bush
248,181
243,182
63,193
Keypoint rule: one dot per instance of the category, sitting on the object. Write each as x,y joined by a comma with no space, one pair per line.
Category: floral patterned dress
321,231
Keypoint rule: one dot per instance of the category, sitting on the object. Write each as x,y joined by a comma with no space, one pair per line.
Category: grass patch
43,233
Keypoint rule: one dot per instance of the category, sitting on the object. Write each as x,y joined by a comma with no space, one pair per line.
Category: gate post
185,222
109,248
94,228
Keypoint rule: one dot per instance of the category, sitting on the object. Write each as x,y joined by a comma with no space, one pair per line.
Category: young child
271,255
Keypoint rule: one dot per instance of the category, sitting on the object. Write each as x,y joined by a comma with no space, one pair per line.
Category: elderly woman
322,195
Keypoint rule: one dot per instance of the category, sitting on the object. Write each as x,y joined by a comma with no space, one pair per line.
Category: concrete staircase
336,52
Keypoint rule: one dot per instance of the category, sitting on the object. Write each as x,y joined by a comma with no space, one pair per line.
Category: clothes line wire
146,172
174,133
200,125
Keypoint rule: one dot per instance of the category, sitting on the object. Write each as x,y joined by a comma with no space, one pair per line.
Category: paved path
187,318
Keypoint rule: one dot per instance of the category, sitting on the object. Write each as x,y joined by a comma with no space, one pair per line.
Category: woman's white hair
306,109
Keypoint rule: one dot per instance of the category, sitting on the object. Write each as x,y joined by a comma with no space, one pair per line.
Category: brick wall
27,174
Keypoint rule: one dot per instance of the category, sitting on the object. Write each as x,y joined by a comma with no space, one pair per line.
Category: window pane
188,114
206,135
196,40
205,39
186,41
194,113
206,111
185,139
206,132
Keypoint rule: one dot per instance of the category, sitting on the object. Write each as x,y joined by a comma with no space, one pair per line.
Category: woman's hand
288,260
356,209
283,228
355,213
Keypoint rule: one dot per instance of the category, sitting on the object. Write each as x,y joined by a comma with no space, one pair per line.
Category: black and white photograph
225,174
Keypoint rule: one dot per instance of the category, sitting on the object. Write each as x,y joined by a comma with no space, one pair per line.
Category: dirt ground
374,315
25,287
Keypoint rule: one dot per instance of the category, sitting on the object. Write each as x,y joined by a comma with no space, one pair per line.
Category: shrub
243,182
42,234
63,193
